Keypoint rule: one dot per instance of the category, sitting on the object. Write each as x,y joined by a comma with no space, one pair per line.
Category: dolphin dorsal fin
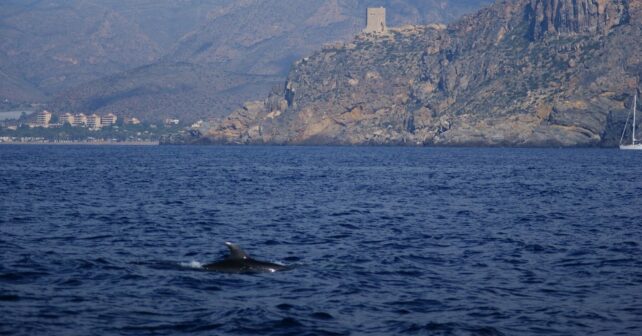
236,252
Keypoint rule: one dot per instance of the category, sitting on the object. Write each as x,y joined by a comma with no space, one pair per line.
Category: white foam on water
192,264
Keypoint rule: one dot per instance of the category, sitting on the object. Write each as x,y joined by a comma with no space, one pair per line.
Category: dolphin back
236,253
240,262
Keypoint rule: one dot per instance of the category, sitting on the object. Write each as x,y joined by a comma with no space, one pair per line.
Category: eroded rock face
487,79
575,16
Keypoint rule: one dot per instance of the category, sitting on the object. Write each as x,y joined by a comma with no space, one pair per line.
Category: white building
172,121
131,121
109,120
43,118
80,120
197,124
93,122
376,20
67,118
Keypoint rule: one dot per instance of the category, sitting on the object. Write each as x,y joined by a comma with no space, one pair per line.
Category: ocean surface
380,241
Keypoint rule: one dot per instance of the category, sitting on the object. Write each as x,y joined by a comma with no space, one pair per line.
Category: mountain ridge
489,78
249,38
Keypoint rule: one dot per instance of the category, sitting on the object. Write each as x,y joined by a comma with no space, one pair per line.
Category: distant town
45,127
93,122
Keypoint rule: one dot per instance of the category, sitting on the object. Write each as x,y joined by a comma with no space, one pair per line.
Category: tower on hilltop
376,20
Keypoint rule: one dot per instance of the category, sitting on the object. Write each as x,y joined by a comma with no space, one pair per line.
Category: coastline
80,143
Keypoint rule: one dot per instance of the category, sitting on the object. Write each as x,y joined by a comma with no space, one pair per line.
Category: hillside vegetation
518,73
143,55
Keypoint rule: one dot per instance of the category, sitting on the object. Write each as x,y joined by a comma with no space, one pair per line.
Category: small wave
192,264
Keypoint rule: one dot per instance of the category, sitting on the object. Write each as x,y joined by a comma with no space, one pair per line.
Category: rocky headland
517,73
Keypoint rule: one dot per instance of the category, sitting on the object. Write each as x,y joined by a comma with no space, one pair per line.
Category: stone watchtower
376,20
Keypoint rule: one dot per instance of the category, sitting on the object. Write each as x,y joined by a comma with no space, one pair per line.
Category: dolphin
240,262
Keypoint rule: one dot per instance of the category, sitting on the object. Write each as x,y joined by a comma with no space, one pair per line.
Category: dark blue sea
380,241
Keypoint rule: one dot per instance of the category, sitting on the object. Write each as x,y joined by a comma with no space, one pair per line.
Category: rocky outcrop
192,137
488,79
557,17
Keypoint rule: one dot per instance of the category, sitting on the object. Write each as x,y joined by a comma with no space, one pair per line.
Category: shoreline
159,144
106,143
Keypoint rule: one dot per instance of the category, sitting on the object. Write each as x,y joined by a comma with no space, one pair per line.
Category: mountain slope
265,37
17,88
518,73
160,91
244,39
57,45
54,45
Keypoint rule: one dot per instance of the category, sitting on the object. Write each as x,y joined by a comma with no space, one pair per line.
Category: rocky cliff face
558,17
518,73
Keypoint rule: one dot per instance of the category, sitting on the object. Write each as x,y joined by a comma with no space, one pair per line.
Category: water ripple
381,241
